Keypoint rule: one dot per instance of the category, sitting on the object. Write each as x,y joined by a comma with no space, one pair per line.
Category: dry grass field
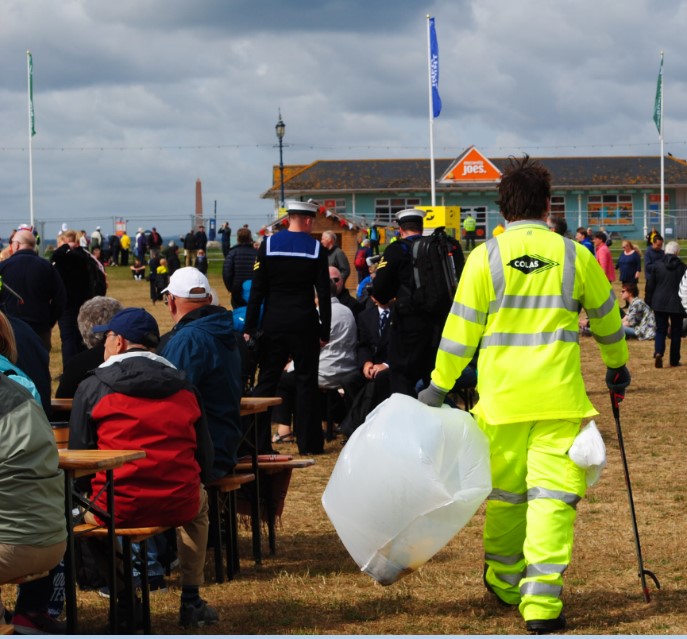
312,586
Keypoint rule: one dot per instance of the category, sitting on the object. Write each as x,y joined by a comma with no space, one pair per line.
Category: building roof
356,176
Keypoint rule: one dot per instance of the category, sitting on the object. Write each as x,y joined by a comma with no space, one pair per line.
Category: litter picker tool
642,572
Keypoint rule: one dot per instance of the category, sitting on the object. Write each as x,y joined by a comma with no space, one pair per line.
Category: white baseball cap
188,282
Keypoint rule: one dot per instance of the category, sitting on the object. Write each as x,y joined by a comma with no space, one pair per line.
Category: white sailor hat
302,208
410,215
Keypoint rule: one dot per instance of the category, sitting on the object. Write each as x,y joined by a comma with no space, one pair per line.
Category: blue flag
434,68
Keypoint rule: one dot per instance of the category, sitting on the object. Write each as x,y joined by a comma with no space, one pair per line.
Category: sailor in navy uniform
414,335
291,265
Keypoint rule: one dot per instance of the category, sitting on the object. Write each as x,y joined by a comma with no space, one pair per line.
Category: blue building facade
621,194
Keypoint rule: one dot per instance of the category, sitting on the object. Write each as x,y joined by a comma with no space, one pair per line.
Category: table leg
112,545
270,503
216,532
69,557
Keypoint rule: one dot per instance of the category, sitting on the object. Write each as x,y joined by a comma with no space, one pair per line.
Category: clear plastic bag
405,484
589,452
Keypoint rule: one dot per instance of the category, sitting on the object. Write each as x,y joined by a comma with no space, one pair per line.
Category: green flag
33,121
658,103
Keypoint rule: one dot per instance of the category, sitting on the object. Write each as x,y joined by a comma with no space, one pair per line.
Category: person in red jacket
139,400
603,255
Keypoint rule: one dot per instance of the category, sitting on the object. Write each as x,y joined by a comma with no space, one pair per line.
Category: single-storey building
622,193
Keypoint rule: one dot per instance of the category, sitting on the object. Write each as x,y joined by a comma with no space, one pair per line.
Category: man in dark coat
38,284
225,232
653,254
663,296
238,267
76,268
190,248
201,239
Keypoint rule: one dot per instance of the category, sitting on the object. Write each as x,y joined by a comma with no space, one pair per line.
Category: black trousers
662,320
275,349
413,345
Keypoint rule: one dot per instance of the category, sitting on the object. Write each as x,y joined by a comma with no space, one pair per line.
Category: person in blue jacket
629,263
203,345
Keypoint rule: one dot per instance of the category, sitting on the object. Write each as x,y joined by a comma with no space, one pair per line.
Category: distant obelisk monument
199,203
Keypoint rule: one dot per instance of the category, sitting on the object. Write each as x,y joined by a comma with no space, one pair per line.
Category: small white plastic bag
406,482
589,452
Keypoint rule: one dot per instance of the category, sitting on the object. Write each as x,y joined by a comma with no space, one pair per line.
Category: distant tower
199,203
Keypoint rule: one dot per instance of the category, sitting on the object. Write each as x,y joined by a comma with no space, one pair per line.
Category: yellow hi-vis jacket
518,301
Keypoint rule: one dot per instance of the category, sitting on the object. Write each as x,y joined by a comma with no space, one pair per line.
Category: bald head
23,240
336,279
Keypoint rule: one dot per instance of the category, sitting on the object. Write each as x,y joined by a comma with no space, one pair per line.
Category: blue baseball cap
134,324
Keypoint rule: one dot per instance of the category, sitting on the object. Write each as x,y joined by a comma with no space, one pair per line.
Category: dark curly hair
525,190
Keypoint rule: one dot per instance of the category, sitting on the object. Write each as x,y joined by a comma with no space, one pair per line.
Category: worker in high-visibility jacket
470,230
518,303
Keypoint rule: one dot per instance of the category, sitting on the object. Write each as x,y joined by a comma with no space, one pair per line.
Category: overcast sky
136,99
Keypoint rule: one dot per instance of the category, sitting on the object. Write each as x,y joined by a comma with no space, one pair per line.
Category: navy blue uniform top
290,267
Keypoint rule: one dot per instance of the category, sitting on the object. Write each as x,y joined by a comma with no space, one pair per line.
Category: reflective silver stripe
498,279
569,274
530,339
546,493
535,570
456,348
507,560
604,309
510,578
613,338
533,301
535,588
503,495
469,314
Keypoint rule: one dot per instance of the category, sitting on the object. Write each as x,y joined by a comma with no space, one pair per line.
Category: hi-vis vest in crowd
469,224
518,302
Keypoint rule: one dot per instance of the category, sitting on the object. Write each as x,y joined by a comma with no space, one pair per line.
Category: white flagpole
431,116
30,98
663,204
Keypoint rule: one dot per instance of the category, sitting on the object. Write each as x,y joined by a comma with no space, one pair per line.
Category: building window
558,206
336,206
386,208
603,210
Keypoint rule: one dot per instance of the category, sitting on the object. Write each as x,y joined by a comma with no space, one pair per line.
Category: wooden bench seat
6,629
224,485
61,434
129,536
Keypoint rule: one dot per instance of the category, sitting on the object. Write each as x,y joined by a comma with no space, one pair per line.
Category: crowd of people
321,349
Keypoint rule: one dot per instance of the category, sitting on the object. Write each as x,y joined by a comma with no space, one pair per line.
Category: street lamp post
281,129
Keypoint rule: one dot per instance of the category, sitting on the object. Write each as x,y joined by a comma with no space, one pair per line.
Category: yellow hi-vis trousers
528,532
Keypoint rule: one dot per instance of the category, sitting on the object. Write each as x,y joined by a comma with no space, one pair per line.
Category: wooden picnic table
79,463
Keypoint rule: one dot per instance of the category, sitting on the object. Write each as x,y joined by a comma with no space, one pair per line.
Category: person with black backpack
418,274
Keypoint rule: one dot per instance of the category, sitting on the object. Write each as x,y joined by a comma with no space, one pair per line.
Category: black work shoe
545,626
488,586
195,615
658,360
